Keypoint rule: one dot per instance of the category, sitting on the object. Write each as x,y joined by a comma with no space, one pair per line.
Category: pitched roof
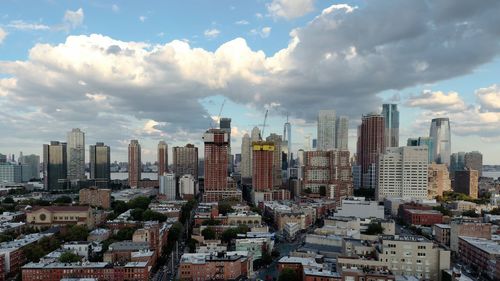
61,208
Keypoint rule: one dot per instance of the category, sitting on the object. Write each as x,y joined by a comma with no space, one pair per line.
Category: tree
140,202
119,207
225,208
137,214
69,257
150,215
208,233
322,190
211,222
63,200
471,213
495,211
288,274
8,200
192,245
76,233
374,228
443,210
124,234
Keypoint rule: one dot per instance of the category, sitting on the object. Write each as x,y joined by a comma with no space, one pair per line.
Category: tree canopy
208,233
288,274
69,257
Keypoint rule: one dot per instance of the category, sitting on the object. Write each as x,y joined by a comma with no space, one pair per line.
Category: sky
160,70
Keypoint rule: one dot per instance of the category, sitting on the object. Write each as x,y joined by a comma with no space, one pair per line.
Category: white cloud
74,18
115,8
242,22
437,101
3,34
211,33
264,32
290,9
489,98
22,25
143,18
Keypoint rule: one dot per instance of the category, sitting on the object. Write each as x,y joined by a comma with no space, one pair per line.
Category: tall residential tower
134,164
76,154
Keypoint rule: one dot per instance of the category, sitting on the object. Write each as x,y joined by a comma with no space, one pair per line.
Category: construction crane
220,111
264,125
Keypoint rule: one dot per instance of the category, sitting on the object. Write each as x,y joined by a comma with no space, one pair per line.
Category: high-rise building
134,164
3,158
457,162
216,147
328,173
187,187
263,166
246,157
466,182
423,141
441,139
225,124
255,136
287,138
439,180
326,130
276,139
162,158
167,183
371,143
474,161
342,133
100,162
76,154
391,119
55,165
31,166
11,172
402,173
185,160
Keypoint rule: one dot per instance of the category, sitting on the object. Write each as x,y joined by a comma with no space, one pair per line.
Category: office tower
162,158
76,154
263,168
391,119
276,139
185,160
32,166
100,163
225,124
342,133
287,138
371,143
216,147
474,161
3,158
255,136
439,180
187,187
423,141
326,130
246,157
328,174
11,173
167,183
134,164
307,143
55,166
457,162
402,173
412,142
441,139
466,182
315,144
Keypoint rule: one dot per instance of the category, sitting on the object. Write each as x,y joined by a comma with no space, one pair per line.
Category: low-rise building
422,217
361,208
95,197
467,228
219,266
481,254
290,230
81,248
442,233
247,218
99,234
255,246
61,215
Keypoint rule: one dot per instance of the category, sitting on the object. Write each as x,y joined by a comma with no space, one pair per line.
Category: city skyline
243,51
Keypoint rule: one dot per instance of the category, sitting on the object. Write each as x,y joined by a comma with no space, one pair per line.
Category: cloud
489,98
290,9
3,35
115,8
143,18
242,22
73,18
211,33
264,32
437,101
22,25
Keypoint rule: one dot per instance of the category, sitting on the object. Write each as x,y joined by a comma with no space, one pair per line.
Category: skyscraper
185,160
423,141
276,139
263,165
31,166
255,134
246,157
441,138
326,130
391,118
225,124
342,133
134,164
76,154
168,186
371,142
403,173
287,138
55,166
162,158
100,162
216,147
474,161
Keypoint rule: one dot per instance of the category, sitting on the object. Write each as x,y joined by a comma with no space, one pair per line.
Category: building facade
263,166
100,162
185,160
438,180
95,197
371,143
467,182
55,165
391,119
441,138
76,154
134,164
326,130
162,156
246,157
168,186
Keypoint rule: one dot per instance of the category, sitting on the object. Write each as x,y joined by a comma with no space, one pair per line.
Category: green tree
374,228
8,200
443,210
119,207
470,213
140,202
150,215
192,245
69,257
211,222
124,234
322,190
137,214
76,233
225,208
208,233
288,274
63,200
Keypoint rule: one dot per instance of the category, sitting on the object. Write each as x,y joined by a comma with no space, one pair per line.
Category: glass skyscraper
441,139
391,119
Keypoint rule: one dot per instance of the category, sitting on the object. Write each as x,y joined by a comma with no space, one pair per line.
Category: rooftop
128,246
485,245
309,262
